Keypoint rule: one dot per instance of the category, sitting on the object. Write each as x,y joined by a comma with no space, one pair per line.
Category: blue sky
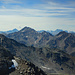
37,14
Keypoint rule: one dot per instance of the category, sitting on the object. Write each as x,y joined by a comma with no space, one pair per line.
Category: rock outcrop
26,68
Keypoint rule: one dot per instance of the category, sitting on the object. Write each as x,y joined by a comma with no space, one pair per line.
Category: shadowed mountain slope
5,61
49,60
63,41
24,67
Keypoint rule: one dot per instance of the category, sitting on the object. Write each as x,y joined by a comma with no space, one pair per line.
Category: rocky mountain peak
62,33
27,29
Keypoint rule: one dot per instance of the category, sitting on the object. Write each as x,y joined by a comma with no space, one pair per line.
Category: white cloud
57,8
40,16
71,3
39,23
32,12
45,10
3,7
49,4
10,1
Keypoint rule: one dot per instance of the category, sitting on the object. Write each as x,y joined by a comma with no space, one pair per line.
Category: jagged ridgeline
28,36
51,61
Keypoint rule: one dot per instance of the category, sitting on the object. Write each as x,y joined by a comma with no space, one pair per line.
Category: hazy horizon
39,14
36,30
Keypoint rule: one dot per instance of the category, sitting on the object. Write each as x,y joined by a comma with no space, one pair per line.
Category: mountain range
53,32
30,37
9,31
52,54
56,31
50,31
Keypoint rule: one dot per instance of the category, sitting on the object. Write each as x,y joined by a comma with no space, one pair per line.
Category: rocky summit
26,68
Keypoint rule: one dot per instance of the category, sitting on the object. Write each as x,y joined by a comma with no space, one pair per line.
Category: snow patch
35,42
15,64
45,67
26,36
23,31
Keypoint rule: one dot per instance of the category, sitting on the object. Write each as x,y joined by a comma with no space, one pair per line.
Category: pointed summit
61,33
27,29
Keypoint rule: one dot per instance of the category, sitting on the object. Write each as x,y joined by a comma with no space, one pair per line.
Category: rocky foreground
26,68
7,67
51,61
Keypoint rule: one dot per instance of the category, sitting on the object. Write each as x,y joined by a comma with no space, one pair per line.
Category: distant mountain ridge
40,31
54,32
9,31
